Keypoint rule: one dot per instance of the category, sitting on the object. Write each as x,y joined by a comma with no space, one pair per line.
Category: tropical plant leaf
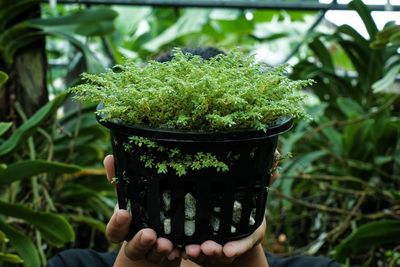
385,84
4,126
191,21
28,168
10,11
350,31
322,53
349,107
365,15
22,244
95,224
3,237
87,22
28,127
54,228
367,236
10,258
3,77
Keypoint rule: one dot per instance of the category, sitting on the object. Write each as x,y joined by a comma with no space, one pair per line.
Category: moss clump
226,92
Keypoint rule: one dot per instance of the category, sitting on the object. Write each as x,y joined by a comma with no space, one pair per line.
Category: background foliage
338,196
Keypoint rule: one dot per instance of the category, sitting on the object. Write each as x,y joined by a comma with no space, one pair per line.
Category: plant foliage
188,92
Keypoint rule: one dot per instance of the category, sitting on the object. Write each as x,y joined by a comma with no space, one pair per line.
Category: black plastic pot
249,155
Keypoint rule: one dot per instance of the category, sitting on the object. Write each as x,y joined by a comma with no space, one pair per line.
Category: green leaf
301,163
3,167
322,53
335,139
28,127
384,84
3,237
367,236
22,244
10,11
10,258
349,107
4,126
28,168
365,15
92,63
3,77
191,21
95,224
87,22
54,228
348,30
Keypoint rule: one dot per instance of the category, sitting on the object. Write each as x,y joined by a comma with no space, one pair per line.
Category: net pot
203,204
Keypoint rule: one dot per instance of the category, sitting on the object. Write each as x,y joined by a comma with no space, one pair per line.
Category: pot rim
280,126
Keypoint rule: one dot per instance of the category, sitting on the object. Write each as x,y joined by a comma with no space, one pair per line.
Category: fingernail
118,218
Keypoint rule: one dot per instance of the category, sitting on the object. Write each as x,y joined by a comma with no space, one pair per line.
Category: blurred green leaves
28,127
22,244
368,235
28,168
55,229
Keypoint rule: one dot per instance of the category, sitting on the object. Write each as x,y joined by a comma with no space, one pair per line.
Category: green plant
226,92
344,176
41,155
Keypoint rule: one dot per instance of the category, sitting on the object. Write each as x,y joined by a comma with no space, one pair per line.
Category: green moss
227,92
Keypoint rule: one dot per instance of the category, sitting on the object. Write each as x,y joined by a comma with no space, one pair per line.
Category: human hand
243,252
144,249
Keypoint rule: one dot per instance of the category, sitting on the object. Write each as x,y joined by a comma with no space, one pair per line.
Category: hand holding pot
144,249
244,252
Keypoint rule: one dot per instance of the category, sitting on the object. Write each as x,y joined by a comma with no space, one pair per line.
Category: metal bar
228,4
309,31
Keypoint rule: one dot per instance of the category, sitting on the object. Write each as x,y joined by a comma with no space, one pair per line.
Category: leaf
54,228
3,77
3,238
357,37
3,167
4,126
191,21
349,107
92,63
335,139
10,258
384,84
322,53
365,15
11,11
22,244
87,22
367,236
301,163
96,224
28,168
28,127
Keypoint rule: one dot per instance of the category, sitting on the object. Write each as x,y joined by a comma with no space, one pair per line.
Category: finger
211,248
160,251
118,226
108,163
175,253
137,248
193,251
239,247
